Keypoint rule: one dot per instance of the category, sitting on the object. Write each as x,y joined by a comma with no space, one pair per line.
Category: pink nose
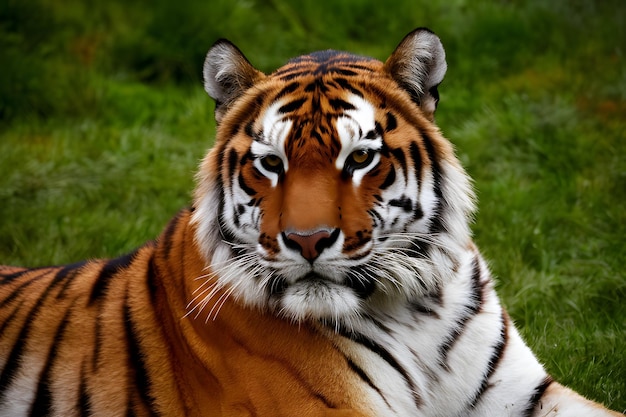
310,245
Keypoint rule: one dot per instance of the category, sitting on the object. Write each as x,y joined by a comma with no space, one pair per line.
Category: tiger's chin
319,299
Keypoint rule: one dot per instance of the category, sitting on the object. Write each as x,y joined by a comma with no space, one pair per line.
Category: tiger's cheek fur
243,190
357,204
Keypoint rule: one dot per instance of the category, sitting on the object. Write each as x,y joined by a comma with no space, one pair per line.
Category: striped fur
326,268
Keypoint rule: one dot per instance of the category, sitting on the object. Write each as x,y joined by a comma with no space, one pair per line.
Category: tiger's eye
359,159
360,156
272,163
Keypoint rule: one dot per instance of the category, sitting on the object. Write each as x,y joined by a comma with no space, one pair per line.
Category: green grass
103,121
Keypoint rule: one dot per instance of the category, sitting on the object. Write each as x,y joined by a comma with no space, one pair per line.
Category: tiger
325,267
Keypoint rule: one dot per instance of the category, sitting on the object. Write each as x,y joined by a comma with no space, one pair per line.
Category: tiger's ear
418,64
227,74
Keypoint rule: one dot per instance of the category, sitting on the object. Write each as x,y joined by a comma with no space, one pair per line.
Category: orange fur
243,362
228,363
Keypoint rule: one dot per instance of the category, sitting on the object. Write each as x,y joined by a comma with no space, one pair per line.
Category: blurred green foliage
55,54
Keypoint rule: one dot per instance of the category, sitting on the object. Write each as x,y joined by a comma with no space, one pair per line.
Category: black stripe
378,219
292,106
109,269
339,104
136,359
249,130
434,160
232,163
130,410
318,137
288,89
470,310
398,153
234,127
343,71
360,67
8,278
378,128
324,400
69,272
99,340
246,157
152,278
436,225
292,73
418,212
297,133
42,404
424,310
536,396
245,187
416,157
84,399
361,373
403,202
390,179
387,357
17,291
372,134
344,83
392,122
11,317
15,358
165,241
494,361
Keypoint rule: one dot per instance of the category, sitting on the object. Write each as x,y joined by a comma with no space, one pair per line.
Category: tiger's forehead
326,63
319,105
295,132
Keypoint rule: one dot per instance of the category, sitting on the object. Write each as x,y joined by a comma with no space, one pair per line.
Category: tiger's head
330,192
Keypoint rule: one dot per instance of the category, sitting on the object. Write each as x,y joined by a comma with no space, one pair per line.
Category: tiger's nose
310,245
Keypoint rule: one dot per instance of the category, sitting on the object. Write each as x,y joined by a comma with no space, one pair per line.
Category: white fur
361,119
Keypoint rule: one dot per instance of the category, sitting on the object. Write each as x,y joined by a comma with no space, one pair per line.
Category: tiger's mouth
314,282
318,297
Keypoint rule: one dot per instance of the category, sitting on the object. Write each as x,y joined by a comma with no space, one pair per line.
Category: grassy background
103,120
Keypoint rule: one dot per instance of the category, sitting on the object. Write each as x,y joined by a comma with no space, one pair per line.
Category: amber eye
360,156
359,159
272,163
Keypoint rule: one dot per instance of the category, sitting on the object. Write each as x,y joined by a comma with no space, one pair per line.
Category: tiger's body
326,268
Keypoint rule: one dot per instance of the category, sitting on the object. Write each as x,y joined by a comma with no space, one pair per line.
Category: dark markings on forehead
305,132
292,106
244,115
313,96
288,89
347,85
339,104
325,62
316,85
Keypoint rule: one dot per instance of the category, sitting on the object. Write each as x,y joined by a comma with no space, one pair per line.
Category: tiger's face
329,191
